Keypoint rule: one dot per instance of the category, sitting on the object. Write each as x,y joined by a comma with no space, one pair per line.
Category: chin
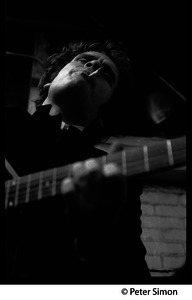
73,101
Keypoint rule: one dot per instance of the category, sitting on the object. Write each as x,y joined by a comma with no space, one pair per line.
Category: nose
94,64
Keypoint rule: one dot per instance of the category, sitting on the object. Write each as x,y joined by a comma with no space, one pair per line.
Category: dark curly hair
116,51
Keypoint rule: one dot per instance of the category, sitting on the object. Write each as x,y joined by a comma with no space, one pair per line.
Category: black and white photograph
95,100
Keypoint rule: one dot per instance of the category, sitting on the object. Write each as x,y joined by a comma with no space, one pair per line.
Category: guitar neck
134,161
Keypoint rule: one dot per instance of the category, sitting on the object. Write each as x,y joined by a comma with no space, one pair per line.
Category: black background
156,32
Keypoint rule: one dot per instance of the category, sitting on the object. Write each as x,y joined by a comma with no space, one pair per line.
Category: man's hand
96,195
90,183
95,188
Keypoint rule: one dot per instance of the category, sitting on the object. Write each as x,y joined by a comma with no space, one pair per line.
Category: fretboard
134,161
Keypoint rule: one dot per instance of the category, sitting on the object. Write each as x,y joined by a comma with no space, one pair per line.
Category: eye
82,59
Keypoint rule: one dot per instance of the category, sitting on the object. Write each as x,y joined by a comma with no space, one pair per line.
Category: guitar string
33,192
36,185
63,173
47,172
174,142
62,170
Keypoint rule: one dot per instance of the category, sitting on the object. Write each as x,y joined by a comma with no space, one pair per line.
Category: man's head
81,79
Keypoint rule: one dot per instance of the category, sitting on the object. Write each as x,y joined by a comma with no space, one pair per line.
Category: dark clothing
35,143
41,243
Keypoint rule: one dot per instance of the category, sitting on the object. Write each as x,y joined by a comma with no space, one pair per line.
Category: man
92,233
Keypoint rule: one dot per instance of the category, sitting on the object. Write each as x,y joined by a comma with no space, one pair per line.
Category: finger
111,169
115,183
67,186
87,181
91,165
93,170
86,173
78,169
79,175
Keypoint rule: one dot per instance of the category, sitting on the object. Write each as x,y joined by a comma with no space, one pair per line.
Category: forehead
98,55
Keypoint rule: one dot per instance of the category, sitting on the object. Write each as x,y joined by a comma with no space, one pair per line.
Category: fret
28,188
46,183
21,191
7,193
146,158
34,187
17,191
124,161
170,152
53,193
40,185
62,173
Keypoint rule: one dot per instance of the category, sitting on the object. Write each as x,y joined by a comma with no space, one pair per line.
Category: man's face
83,86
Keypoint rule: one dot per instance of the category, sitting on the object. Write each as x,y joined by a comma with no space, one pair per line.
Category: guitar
158,156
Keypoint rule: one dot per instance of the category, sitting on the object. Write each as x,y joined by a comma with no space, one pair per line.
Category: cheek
104,93
61,77
64,74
